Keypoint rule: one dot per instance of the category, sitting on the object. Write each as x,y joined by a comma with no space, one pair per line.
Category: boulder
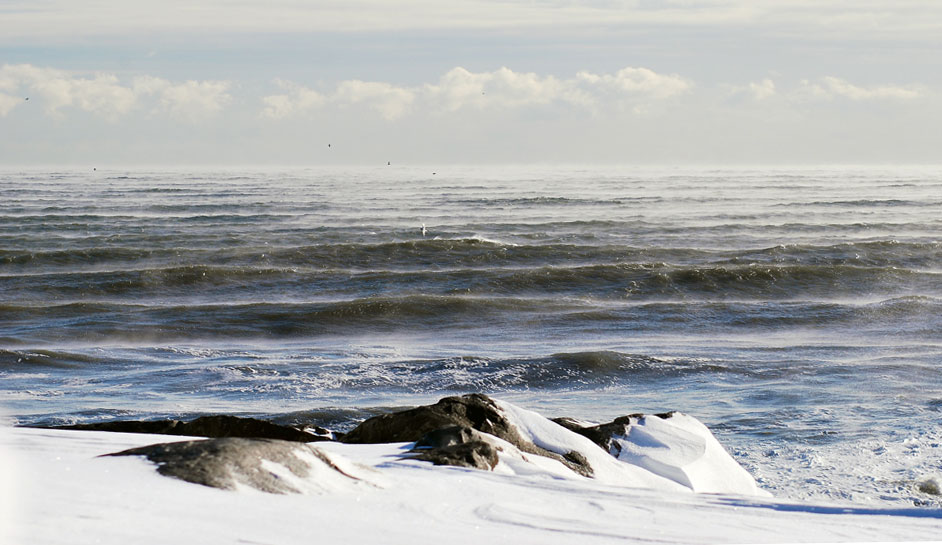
475,411
228,462
457,446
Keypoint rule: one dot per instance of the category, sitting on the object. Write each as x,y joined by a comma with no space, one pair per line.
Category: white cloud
7,81
7,103
390,101
56,89
501,89
763,89
637,83
829,88
189,100
298,99
196,99
106,96
102,95
755,91
149,85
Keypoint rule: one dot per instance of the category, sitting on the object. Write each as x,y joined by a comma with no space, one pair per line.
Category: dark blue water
798,313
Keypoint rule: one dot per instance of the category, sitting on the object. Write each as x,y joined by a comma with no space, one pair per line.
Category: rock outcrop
228,462
474,411
668,451
457,446
209,426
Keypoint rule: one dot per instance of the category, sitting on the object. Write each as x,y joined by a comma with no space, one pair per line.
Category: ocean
797,312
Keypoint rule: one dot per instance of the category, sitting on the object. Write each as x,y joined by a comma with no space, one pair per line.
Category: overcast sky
237,82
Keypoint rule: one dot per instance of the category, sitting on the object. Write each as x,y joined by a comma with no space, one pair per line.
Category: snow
60,490
547,434
682,449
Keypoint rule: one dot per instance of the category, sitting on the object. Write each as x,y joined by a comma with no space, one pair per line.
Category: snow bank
683,450
547,434
670,454
9,484
67,493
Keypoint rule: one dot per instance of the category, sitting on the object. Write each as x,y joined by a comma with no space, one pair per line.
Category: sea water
796,312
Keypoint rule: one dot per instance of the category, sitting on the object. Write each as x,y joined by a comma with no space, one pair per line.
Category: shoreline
66,491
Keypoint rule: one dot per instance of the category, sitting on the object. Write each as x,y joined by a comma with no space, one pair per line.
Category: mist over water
798,313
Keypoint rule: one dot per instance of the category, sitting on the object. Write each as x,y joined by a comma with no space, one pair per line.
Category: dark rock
930,486
456,446
475,411
234,426
602,434
446,437
578,459
159,427
207,426
225,462
475,454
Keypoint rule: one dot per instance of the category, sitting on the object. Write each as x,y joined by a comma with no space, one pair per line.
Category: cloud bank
501,89
106,96
630,90
830,88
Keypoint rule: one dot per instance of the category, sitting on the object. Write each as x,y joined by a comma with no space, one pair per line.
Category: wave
877,253
549,201
556,372
447,253
562,371
715,282
78,256
865,203
609,282
97,321
48,358
457,317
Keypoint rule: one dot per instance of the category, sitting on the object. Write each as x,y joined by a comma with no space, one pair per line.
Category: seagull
424,230
27,98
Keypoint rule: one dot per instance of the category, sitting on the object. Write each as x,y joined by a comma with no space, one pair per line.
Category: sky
648,82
